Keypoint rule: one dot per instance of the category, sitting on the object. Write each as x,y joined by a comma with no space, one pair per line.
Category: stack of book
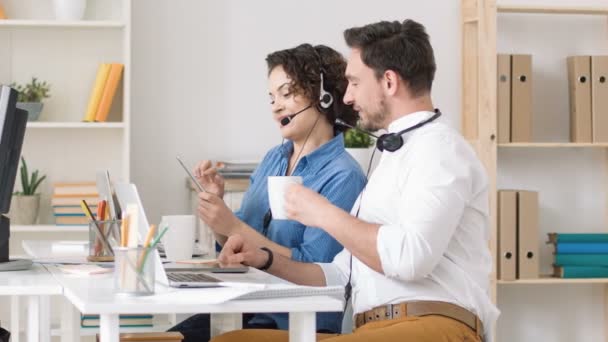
582,255
237,175
103,92
66,202
126,321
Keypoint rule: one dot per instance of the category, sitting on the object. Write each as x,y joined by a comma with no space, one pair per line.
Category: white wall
199,76
199,88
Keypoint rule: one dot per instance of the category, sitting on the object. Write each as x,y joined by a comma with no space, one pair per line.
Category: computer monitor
12,131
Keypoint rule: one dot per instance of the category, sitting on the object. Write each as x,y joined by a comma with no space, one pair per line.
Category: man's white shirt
431,199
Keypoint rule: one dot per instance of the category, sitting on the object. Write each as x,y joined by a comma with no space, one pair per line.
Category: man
415,246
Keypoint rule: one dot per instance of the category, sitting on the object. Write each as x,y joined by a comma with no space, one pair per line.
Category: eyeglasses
266,222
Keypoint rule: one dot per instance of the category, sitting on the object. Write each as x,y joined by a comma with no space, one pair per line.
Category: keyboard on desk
183,277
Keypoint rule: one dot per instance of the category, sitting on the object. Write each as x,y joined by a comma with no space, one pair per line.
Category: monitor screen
12,131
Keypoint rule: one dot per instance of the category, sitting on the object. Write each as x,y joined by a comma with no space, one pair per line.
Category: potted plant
31,96
25,204
358,145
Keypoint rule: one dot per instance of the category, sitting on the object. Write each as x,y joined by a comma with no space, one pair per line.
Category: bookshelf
67,54
536,165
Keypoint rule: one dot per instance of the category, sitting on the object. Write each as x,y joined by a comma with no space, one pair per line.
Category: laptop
182,278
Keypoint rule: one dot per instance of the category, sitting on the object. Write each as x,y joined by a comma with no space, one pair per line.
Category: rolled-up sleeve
336,272
431,202
317,245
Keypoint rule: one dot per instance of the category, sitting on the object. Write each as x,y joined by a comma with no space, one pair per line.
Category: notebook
288,290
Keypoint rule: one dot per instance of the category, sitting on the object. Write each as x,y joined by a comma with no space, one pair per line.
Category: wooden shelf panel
49,228
553,145
548,280
552,10
42,124
61,24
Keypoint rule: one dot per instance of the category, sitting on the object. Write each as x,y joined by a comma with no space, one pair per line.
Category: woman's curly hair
304,65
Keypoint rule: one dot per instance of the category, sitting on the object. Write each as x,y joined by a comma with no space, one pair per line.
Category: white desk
38,285
95,295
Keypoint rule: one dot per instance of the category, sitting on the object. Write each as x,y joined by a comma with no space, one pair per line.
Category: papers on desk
85,270
241,291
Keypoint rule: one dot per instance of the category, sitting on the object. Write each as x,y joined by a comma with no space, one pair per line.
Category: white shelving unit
67,54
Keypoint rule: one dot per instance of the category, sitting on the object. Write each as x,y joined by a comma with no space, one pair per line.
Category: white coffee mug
277,185
179,239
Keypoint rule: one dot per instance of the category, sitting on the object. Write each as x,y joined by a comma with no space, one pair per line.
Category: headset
326,99
392,142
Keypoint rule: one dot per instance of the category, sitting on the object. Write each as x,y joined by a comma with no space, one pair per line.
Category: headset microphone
392,141
342,123
286,120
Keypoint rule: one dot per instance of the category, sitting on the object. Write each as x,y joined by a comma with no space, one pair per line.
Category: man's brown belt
421,308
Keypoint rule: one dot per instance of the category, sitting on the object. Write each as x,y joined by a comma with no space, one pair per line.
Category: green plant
356,139
29,184
34,91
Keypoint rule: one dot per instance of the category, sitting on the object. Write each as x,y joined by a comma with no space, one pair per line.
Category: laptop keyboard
184,277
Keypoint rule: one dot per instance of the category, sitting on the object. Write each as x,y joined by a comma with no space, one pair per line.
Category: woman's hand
215,213
209,178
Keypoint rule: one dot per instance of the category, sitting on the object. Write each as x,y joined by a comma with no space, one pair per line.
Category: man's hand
238,251
207,175
306,206
213,211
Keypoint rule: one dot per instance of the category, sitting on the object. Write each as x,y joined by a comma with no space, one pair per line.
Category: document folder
521,98
599,98
507,226
579,86
503,98
527,235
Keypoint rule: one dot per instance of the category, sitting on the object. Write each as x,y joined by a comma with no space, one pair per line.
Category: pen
88,212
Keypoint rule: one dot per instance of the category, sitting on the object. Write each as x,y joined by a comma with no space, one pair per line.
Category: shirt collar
319,157
409,120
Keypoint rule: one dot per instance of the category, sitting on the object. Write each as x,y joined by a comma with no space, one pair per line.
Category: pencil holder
134,271
101,245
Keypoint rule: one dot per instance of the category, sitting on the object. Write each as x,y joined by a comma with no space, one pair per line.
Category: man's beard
376,119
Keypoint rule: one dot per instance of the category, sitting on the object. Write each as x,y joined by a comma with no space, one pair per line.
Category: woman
306,87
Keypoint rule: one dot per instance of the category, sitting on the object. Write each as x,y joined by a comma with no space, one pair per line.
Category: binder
599,98
521,98
579,86
527,235
504,98
507,226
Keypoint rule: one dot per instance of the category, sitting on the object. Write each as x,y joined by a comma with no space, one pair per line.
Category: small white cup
69,9
277,186
179,239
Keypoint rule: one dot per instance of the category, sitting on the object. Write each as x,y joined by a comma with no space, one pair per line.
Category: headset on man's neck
392,142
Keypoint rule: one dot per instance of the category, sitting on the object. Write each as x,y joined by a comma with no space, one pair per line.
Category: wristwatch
269,261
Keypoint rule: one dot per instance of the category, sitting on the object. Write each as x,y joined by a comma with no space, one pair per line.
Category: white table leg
221,323
70,322
33,318
302,327
45,318
15,319
109,328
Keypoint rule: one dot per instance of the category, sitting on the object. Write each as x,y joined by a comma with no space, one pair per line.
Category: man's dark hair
304,65
402,47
